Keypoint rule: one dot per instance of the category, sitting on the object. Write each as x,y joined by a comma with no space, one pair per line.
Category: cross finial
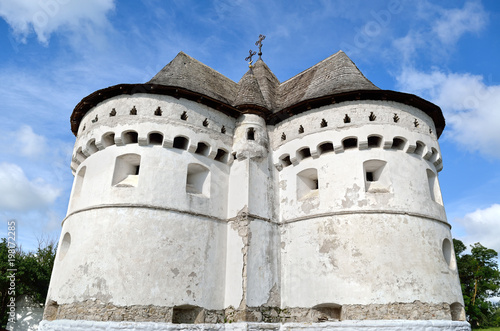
249,57
259,43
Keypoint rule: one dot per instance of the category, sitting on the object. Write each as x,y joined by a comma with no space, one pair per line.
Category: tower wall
362,214
146,221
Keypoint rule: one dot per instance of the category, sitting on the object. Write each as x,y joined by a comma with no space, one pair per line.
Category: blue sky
55,52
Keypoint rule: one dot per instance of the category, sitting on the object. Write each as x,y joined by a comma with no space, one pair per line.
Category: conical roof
249,93
188,73
268,83
336,74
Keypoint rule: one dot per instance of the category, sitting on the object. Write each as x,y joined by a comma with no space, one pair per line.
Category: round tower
362,214
198,200
146,219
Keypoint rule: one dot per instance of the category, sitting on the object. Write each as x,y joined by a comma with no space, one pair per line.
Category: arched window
108,139
303,153
181,142
130,137
325,148
398,143
420,148
155,138
350,143
374,141
202,149
91,147
221,155
285,160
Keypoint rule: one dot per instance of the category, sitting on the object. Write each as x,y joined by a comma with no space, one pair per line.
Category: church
200,203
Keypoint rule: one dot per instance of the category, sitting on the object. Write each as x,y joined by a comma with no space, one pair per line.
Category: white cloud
453,23
482,226
18,193
29,143
438,30
470,106
47,16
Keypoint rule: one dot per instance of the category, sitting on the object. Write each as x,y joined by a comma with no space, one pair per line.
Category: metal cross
249,57
259,43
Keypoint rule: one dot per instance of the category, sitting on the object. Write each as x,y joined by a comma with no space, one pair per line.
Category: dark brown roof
333,80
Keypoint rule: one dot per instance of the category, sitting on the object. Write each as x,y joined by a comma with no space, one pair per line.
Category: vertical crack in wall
241,224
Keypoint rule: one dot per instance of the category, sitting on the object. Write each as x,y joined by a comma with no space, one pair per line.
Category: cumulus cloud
453,23
30,144
482,226
46,16
439,29
18,193
470,106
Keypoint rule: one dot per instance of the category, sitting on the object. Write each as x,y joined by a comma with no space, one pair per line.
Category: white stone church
200,203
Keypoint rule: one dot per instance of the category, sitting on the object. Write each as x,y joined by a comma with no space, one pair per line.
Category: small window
374,141
221,156
79,180
251,134
328,311
398,143
325,148
350,143
447,252
126,172
202,149
434,155
457,312
65,243
91,147
434,189
198,179
419,150
155,138
130,137
181,142
285,160
187,315
80,157
374,181
304,153
307,183
108,139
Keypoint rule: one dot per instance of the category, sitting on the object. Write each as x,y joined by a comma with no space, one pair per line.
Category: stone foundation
392,325
98,311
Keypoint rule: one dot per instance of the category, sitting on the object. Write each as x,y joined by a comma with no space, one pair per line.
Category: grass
490,329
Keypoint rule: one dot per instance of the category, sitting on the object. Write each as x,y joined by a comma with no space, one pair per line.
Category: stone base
366,325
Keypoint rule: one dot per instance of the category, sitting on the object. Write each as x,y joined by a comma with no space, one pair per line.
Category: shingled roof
335,79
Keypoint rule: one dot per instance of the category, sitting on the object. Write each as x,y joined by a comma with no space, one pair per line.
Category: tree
32,276
480,279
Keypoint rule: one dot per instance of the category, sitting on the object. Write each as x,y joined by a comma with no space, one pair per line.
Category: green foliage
480,281
32,276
